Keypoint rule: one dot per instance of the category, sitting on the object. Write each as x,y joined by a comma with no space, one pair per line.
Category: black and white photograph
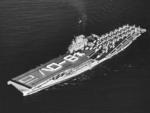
74,56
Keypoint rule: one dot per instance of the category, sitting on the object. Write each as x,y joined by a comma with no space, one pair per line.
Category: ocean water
34,31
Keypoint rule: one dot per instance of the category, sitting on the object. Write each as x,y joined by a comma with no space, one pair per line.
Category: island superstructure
84,53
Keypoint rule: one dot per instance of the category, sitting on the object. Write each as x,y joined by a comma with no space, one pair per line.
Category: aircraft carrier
84,53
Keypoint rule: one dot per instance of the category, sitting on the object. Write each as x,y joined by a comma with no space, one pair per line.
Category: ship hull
61,80
84,54
52,83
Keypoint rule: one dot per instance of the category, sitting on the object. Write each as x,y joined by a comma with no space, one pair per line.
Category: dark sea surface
34,31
